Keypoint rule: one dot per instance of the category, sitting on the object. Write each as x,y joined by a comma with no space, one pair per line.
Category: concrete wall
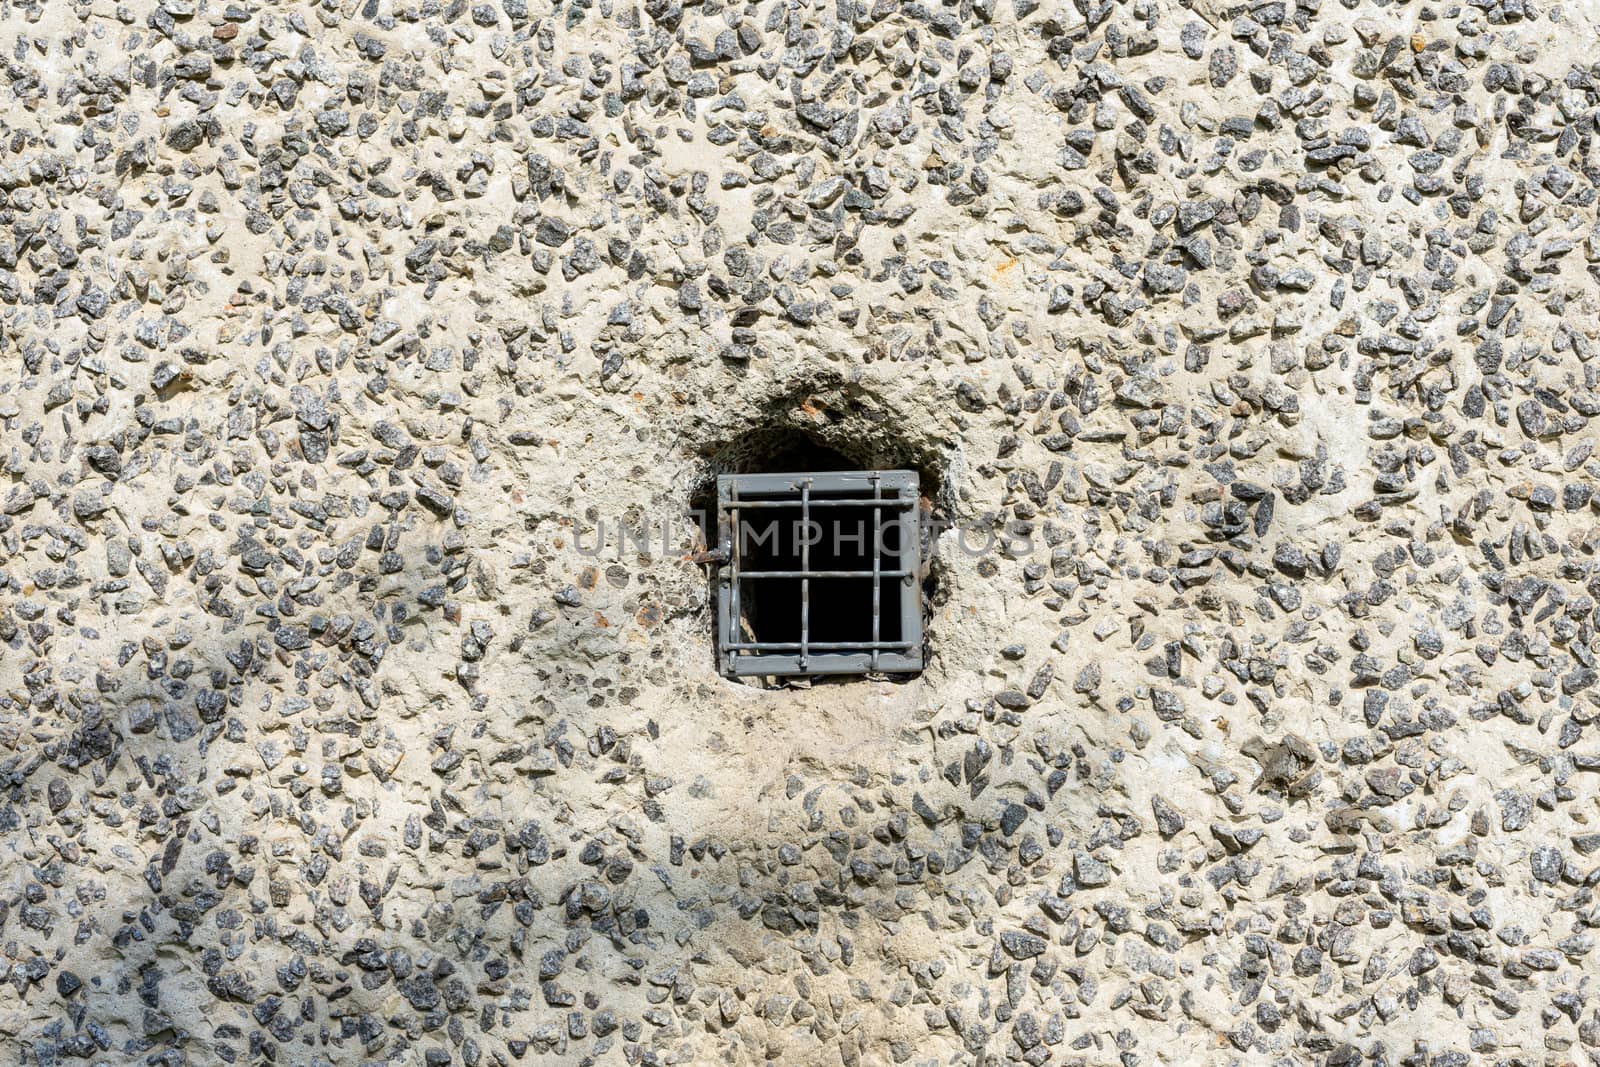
1259,338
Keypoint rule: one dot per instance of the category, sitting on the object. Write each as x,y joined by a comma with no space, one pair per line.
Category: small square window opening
821,573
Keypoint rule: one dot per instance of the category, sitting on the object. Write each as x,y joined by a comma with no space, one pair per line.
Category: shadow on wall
165,739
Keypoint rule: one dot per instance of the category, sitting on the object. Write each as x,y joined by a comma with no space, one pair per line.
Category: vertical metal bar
725,639
877,564
734,560
805,565
910,561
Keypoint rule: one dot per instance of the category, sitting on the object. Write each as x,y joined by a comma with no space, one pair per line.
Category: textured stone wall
1260,336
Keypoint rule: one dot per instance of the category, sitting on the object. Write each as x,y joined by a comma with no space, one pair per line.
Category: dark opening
841,539
769,610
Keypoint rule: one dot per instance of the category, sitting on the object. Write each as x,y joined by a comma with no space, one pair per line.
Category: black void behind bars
822,573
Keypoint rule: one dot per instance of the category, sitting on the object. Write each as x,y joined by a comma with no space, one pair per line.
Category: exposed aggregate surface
1261,337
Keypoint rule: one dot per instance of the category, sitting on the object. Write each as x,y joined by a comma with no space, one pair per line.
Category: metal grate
809,560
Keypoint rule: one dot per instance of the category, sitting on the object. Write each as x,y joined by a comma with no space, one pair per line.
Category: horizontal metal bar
777,646
821,481
863,502
828,663
820,574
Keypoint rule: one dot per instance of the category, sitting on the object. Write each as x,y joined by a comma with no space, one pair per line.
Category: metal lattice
753,623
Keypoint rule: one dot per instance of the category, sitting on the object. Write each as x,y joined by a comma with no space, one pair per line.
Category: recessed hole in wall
818,573
843,606
838,606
